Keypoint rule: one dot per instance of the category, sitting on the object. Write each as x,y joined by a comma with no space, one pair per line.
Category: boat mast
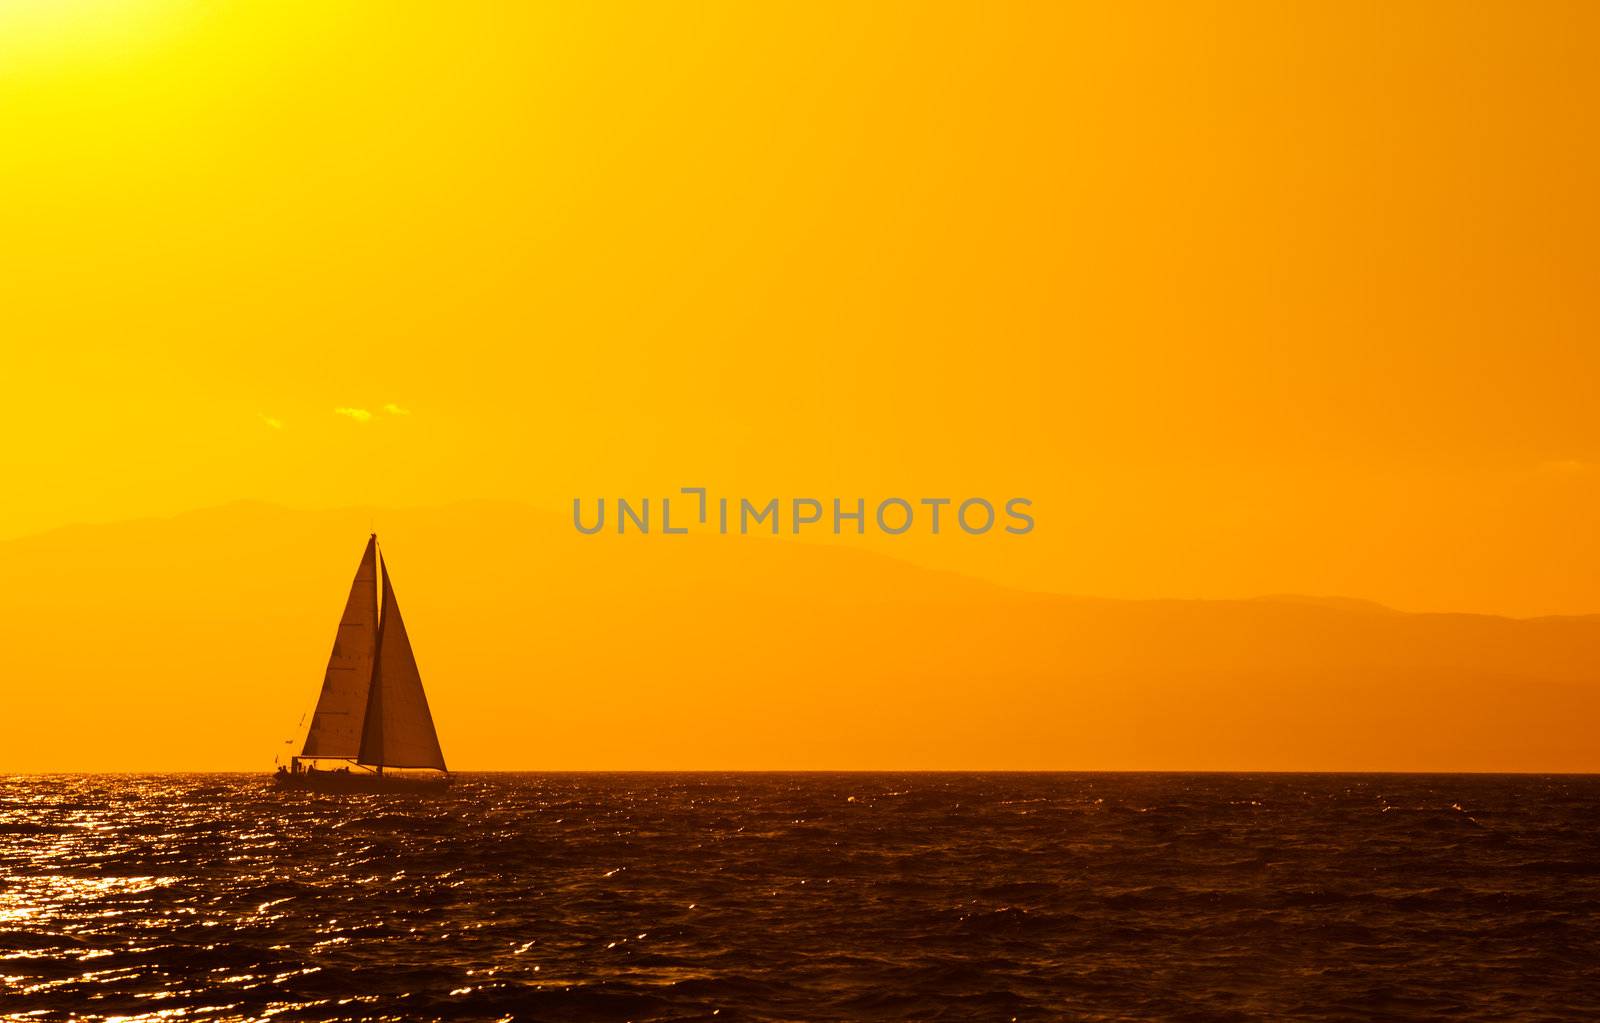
375,690
396,728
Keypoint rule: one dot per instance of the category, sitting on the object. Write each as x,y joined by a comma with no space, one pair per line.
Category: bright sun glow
40,34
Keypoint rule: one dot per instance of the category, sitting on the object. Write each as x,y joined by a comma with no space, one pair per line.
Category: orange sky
1248,298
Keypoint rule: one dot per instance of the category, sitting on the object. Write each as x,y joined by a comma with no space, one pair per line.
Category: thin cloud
276,424
396,410
360,415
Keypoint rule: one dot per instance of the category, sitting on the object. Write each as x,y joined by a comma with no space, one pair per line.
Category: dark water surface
805,897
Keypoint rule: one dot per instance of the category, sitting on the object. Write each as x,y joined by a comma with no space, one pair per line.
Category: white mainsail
341,708
398,729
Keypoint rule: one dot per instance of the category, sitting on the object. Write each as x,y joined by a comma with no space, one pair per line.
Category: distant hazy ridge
197,642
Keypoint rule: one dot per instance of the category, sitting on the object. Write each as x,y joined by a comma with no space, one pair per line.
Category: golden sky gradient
1248,298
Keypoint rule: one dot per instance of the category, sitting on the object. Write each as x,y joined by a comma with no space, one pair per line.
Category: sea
764,896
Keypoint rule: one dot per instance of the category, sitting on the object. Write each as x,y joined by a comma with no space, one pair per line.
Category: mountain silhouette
198,641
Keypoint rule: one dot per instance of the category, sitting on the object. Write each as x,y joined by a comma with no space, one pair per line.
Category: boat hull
340,781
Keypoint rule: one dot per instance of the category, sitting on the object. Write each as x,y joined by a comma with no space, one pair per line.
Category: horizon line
266,773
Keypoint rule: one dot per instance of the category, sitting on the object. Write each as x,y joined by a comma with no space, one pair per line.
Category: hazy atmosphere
1278,300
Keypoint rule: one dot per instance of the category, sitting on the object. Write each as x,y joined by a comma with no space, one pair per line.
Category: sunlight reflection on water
818,897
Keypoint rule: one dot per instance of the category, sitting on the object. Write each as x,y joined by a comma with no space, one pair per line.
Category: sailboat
372,714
